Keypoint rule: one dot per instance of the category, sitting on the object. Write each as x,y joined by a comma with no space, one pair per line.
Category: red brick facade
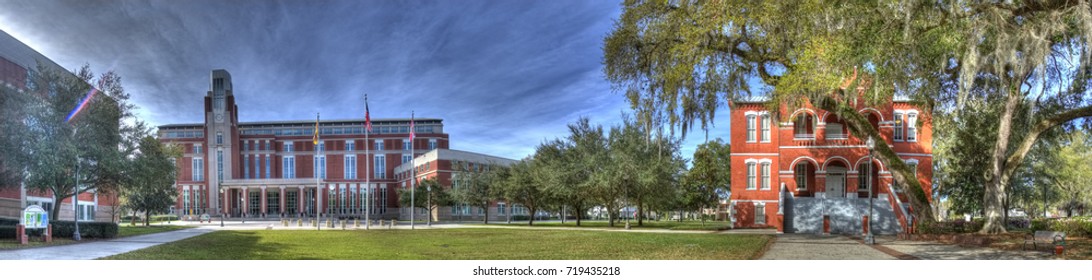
810,153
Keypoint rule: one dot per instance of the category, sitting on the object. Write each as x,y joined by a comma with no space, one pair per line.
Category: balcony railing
803,136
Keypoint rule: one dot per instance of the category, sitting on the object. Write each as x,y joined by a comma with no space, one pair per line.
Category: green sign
34,217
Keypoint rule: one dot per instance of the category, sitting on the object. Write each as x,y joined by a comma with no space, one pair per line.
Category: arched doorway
836,179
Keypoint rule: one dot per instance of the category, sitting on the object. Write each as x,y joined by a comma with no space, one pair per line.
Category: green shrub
164,218
1040,224
87,229
520,217
7,232
8,222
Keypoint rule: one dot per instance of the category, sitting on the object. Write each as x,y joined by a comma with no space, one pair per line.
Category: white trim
823,147
912,160
797,160
753,200
763,160
873,110
793,115
829,159
914,155
756,154
858,163
750,113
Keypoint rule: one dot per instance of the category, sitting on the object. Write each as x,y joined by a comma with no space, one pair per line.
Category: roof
448,154
308,123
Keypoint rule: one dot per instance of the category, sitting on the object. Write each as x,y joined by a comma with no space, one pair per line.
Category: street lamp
429,206
220,180
221,208
76,201
329,207
869,238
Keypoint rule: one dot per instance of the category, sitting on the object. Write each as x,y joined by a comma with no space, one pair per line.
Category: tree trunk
578,218
610,216
640,213
531,220
486,211
508,215
994,200
147,217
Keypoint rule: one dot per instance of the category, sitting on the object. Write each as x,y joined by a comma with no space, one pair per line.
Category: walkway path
98,249
820,247
936,251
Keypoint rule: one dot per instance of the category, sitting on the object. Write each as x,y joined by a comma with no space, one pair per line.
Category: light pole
76,200
869,238
220,182
429,206
329,207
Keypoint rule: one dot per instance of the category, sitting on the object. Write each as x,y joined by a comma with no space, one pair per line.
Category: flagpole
367,161
413,176
318,188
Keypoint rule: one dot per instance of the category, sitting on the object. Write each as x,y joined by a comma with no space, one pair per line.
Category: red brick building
804,171
16,60
271,169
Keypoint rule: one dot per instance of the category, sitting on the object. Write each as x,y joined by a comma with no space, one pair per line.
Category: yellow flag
315,139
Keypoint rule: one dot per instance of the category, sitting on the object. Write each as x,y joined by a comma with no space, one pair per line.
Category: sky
504,75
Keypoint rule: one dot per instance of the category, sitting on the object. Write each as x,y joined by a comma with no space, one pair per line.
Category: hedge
7,232
8,222
1080,226
87,229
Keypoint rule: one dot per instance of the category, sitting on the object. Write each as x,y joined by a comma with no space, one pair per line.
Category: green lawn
458,244
125,230
672,225
11,244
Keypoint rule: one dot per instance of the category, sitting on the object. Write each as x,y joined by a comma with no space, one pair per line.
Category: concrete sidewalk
821,247
937,251
98,249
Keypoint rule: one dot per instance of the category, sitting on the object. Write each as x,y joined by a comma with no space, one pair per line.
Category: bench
1044,237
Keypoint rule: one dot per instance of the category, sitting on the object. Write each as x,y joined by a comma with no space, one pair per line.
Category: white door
836,181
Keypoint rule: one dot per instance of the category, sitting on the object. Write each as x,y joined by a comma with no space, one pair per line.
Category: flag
367,115
411,131
315,139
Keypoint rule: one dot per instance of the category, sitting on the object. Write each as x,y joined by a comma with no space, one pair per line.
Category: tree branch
1021,151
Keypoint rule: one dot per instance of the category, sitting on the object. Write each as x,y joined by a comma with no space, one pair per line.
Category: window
268,146
751,175
289,169
380,166
85,212
765,175
750,128
382,200
500,208
911,127
760,213
186,206
268,168
378,145
350,145
246,166
289,147
197,149
220,165
198,169
913,167
350,167
431,144
802,176
765,128
803,127
320,167
321,146
219,138
864,174
406,144
898,126
406,158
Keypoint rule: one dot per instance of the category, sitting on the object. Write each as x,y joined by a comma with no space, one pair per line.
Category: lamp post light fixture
329,207
869,238
220,180
429,206
221,208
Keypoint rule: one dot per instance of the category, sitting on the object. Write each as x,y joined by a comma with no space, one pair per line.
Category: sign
34,217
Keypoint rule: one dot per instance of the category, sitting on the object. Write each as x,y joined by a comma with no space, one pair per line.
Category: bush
164,218
8,222
520,217
1018,223
1080,226
950,227
1040,224
7,232
87,229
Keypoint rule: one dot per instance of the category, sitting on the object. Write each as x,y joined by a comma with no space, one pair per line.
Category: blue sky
504,75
